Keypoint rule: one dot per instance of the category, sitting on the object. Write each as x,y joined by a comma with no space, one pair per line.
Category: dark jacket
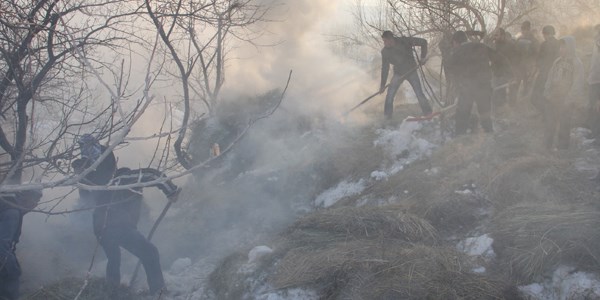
473,61
507,50
121,208
401,56
549,51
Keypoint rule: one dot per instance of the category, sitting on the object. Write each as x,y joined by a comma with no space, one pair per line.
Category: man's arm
146,175
421,43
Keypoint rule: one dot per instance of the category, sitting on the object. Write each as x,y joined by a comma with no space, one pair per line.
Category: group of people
490,71
115,217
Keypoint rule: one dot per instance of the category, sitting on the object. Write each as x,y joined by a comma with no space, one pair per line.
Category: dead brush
538,178
97,289
368,222
396,270
532,238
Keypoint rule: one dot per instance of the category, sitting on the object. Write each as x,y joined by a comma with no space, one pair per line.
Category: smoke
271,177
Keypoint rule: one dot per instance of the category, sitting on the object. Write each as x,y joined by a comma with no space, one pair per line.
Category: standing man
594,82
13,206
505,87
563,90
549,50
398,51
470,66
528,45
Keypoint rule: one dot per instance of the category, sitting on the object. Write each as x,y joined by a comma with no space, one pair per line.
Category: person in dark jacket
549,51
398,51
13,206
528,46
470,65
504,82
117,213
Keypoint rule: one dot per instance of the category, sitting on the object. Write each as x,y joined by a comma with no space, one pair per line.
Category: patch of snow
258,252
479,270
342,190
379,175
566,283
478,246
404,145
464,192
180,265
190,283
535,291
289,294
432,171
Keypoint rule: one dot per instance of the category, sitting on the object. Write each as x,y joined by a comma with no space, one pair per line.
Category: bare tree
195,35
41,47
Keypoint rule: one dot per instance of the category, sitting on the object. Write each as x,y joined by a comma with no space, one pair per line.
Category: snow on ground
187,281
403,145
566,283
588,163
478,246
290,294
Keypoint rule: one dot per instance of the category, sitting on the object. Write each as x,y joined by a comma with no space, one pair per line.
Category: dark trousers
537,96
10,271
112,238
557,120
594,114
473,91
9,288
9,277
415,83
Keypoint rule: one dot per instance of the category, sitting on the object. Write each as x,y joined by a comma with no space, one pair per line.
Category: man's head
459,38
525,27
499,35
29,199
548,31
388,38
90,147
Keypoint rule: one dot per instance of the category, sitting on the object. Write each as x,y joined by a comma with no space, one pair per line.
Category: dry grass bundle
531,238
538,178
364,270
97,289
451,214
368,222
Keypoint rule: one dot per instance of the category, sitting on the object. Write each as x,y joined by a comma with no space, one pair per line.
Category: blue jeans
415,83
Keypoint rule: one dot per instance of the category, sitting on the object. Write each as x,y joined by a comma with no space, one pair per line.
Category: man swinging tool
398,51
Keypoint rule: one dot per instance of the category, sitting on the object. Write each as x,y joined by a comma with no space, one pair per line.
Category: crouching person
12,208
562,91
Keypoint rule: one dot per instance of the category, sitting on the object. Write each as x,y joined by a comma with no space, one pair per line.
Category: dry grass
97,289
367,222
365,270
533,238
